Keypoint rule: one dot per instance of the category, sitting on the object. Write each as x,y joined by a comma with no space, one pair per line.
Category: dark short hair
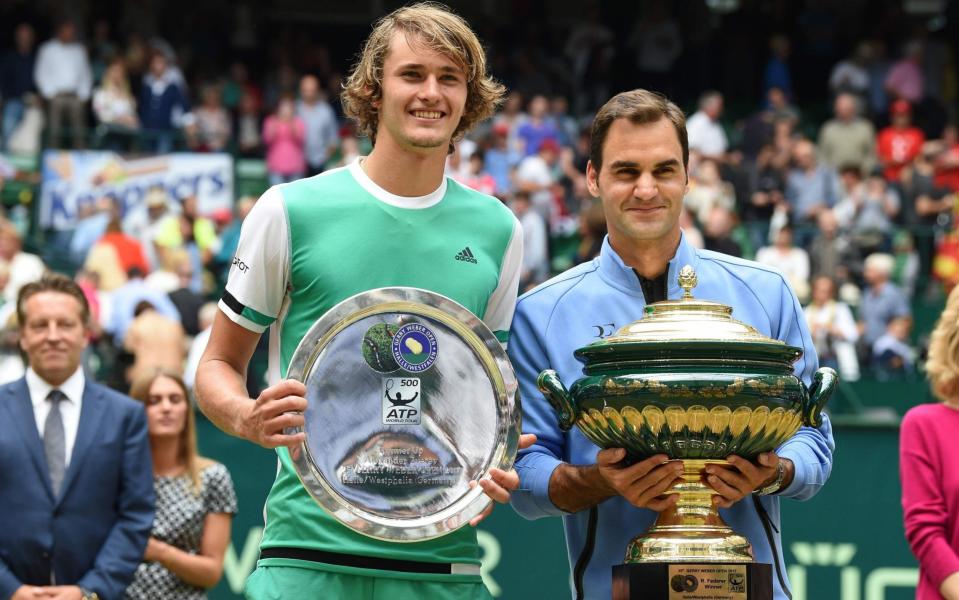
640,107
52,282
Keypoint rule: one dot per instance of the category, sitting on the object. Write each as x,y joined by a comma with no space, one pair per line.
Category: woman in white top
115,108
833,329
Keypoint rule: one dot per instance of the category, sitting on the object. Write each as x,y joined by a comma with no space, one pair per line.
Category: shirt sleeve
258,277
219,495
811,448
923,503
502,302
534,465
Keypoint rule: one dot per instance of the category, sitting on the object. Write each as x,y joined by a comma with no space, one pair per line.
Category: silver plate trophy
409,398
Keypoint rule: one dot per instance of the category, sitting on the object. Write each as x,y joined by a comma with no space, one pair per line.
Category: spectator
928,466
905,81
477,177
501,159
565,123
77,499
16,80
187,301
926,207
717,232
191,232
767,193
868,210
658,43
535,242
793,262
706,134
777,74
230,237
538,127
283,134
195,498
211,124
319,125
92,220
24,267
248,127
848,139
592,232
946,158
833,329
707,190
892,356
831,253
163,104
905,273
124,303
156,342
198,345
115,109
146,224
63,76
128,250
882,300
811,186
899,143
850,75
536,175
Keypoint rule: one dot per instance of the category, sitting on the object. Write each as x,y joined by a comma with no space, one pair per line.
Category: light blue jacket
595,299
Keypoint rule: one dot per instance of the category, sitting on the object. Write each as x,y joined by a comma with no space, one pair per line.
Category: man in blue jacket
638,168
76,478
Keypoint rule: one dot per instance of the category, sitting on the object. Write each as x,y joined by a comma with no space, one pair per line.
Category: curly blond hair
439,29
942,365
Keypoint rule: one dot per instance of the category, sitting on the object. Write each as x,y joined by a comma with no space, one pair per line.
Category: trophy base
690,531
693,581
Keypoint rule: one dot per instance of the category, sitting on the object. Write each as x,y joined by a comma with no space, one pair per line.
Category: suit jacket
94,533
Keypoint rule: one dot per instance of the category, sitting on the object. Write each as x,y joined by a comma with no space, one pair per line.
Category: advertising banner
72,180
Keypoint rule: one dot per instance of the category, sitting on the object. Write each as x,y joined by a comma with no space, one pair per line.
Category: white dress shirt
72,388
705,135
63,69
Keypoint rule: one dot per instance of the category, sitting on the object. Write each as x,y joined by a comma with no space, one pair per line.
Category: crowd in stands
857,211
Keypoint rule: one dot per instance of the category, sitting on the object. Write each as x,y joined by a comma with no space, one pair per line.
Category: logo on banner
414,348
401,401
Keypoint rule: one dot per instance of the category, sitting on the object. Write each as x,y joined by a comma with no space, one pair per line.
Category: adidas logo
466,255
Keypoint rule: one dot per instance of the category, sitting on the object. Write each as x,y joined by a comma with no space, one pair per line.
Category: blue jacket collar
620,275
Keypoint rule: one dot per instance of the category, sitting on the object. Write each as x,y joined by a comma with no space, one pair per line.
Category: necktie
54,441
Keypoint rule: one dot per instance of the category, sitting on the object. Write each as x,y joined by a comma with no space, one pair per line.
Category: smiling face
166,408
423,97
53,335
641,183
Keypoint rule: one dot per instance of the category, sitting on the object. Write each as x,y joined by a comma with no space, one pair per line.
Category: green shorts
289,582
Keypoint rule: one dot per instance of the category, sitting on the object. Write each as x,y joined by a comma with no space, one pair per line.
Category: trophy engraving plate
707,582
410,397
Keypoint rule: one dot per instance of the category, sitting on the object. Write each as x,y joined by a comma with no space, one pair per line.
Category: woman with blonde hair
929,466
115,108
195,500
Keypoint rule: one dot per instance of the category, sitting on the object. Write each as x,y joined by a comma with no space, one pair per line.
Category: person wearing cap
536,176
899,143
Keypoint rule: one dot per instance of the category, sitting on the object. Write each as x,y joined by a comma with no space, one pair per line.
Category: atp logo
401,400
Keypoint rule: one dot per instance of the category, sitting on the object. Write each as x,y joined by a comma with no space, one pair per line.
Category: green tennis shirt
312,243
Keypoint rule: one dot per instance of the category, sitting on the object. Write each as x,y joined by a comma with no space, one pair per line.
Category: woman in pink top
929,466
283,136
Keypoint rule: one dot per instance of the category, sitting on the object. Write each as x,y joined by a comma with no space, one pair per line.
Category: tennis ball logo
413,346
377,348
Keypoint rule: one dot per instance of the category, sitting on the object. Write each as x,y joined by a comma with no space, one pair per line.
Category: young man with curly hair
388,219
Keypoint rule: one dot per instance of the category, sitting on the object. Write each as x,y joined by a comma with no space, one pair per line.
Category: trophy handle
824,382
552,387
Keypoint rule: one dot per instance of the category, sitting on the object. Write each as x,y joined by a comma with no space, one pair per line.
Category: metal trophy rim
480,339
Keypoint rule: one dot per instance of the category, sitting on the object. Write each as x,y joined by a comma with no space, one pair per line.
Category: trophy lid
688,319
688,328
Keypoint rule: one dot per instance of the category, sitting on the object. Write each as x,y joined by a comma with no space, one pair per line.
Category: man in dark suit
76,480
